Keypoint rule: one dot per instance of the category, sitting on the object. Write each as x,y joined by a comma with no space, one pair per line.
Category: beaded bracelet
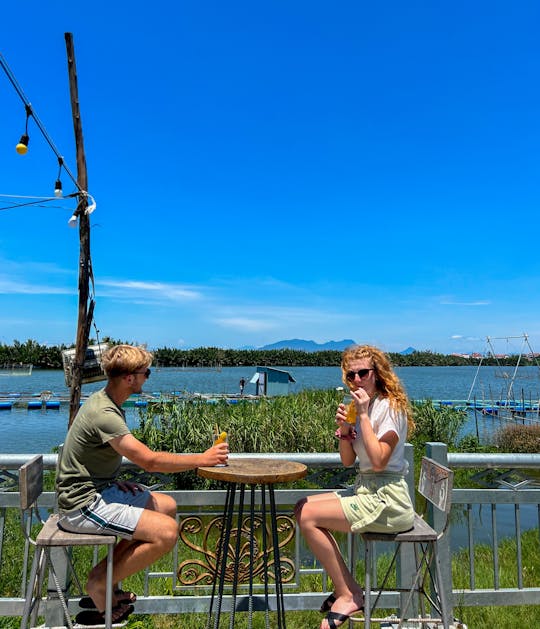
350,436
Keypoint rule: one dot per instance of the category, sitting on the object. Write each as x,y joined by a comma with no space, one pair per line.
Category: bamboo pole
85,311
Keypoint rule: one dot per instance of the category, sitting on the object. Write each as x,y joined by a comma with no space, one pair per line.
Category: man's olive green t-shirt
88,463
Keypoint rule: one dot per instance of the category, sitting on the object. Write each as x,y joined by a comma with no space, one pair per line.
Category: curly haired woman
379,500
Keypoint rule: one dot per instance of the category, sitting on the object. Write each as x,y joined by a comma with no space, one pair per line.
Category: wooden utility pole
85,308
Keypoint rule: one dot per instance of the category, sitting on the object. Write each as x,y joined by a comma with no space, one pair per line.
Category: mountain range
312,346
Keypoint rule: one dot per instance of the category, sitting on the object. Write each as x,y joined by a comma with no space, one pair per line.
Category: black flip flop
122,596
331,617
93,618
327,604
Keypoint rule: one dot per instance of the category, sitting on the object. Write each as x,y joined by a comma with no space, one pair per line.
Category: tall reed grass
303,422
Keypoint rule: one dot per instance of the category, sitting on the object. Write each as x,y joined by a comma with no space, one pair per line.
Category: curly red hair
387,382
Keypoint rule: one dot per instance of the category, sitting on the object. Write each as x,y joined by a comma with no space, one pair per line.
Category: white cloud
14,287
450,302
249,325
260,317
137,290
34,278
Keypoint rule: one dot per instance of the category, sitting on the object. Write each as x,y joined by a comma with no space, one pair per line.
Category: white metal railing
205,504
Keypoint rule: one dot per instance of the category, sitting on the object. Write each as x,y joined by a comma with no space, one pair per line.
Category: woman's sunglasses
361,373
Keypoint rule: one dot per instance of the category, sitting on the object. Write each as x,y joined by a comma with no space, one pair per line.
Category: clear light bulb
58,188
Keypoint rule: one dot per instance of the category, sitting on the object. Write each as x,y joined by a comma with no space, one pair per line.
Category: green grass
508,617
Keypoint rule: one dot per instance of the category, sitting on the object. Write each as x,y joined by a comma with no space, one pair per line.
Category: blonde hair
387,383
121,360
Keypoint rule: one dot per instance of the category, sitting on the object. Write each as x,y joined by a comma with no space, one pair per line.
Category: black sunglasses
145,373
361,373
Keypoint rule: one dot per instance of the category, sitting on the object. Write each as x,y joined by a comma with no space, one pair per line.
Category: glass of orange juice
351,408
220,437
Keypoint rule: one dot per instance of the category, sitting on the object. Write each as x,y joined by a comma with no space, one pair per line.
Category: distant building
270,381
475,355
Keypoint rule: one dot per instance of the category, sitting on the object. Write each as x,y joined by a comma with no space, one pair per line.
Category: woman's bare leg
318,515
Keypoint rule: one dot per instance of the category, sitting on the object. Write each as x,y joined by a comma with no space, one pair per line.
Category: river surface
36,431
29,431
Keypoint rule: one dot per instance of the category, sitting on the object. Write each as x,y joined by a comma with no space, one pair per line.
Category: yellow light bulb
22,146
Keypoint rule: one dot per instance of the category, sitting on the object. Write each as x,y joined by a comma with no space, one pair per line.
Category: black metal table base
251,602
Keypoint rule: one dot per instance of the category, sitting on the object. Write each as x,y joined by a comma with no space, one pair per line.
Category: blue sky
286,169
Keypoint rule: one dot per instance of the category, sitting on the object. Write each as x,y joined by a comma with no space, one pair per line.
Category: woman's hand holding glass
354,403
361,400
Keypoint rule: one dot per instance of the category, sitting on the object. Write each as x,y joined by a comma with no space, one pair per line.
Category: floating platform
43,404
49,401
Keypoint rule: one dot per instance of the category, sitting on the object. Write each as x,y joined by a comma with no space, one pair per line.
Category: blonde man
92,500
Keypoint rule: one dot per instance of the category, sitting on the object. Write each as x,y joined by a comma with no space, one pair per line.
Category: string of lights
22,149
85,206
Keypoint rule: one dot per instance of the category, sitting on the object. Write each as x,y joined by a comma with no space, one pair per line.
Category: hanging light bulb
58,185
73,220
22,146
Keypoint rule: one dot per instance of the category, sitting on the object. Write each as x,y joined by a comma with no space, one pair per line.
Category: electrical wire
39,124
37,202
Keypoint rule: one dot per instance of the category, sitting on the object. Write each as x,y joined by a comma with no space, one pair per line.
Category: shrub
519,439
471,443
441,423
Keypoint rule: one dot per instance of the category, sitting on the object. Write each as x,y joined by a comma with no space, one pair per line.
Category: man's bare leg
155,535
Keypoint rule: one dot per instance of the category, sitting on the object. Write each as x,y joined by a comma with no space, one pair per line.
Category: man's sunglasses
361,373
146,373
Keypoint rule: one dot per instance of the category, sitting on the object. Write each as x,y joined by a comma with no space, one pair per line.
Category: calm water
34,431
29,431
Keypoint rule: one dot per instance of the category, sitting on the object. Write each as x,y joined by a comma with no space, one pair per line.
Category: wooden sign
436,483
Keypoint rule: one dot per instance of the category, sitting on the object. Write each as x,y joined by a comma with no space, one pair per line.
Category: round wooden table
239,474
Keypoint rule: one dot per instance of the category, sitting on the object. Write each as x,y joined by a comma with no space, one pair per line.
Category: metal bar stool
50,537
435,484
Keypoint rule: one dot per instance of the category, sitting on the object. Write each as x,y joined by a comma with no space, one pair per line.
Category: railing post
406,565
439,452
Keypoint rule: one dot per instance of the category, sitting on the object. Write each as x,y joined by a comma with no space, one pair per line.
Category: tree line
50,357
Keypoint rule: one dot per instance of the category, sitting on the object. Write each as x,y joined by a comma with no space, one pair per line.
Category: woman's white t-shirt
384,419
